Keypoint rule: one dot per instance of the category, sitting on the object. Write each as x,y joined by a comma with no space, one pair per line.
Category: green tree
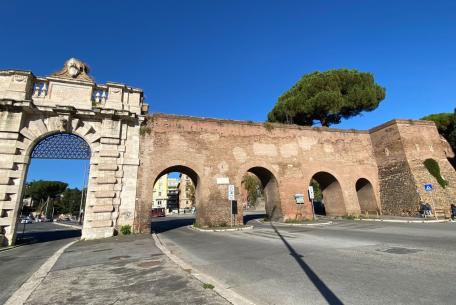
253,187
446,125
69,202
44,192
190,192
41,190
327,97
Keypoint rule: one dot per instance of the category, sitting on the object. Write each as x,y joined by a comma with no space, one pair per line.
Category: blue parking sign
428,187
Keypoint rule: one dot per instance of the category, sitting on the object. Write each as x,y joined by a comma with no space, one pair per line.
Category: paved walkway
120,270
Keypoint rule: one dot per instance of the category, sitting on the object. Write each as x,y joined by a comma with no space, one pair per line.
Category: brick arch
366,195
270,184
332,192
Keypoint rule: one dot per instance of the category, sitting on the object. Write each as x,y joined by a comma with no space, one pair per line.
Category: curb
405,221
219,288
284,224
191,227
21,295
67,225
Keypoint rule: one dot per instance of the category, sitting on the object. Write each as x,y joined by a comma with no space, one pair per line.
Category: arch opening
366,196
260,192
329,199
55,186
175,191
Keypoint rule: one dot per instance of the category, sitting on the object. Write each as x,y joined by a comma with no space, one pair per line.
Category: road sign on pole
428,187
311,192
231,192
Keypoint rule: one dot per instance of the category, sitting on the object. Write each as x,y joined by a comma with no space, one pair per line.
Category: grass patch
208,286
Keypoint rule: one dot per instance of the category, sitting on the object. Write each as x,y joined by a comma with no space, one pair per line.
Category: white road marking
22,294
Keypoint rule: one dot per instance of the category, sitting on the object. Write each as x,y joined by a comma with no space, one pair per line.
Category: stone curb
284,224
191,227
67,225
21,295
219,288
405,221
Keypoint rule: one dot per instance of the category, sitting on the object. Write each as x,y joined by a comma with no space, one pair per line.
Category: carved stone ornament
63,123
74,69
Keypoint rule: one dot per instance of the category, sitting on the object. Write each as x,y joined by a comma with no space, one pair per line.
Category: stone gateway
376,170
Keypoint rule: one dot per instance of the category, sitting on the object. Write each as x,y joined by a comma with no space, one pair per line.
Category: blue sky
233,59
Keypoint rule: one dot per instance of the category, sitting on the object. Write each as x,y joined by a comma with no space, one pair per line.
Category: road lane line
22,294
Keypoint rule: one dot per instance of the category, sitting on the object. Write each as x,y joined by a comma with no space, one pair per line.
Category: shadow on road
160,225
45,236
329,296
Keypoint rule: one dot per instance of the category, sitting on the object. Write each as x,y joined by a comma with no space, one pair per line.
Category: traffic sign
311,192
231,192
428,187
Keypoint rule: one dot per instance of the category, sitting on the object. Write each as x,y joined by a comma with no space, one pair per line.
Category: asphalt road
36,245
348,262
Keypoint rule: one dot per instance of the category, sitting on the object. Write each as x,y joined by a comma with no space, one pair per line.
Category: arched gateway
129,149
107,117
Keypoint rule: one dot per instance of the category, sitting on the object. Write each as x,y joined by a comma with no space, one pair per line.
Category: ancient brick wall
228,149
400,147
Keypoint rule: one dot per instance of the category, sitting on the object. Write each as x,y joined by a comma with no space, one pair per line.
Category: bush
434,169
125,229
268,126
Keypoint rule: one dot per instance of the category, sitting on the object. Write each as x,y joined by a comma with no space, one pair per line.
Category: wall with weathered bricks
400,147
221,148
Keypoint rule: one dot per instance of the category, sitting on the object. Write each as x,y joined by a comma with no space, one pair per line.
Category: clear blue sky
233,59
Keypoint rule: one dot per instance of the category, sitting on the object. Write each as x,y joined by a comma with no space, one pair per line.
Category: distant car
158,212
26,220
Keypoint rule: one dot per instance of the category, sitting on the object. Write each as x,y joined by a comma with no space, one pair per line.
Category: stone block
100,223
106,180
6,164
5,180
107,167
105,194
8,149
109,153
102,208
5,221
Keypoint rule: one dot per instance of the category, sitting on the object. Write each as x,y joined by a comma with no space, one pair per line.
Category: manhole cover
400,250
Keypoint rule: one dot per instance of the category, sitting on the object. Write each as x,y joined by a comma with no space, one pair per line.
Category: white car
26,220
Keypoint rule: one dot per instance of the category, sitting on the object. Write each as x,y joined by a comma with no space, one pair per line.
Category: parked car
158,212
26,220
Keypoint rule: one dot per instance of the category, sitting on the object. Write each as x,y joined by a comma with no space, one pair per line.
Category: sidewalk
119,270
404,219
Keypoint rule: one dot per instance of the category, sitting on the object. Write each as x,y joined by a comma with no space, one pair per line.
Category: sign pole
231,213
313,208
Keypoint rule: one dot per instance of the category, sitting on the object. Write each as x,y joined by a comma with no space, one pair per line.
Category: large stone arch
366,196
333,195
269,180
107,117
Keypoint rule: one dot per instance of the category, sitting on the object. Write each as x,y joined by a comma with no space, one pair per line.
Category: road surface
36,245
348,262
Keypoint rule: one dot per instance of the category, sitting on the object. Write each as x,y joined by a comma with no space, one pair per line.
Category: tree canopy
41,190
252,185
327,97
446,125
